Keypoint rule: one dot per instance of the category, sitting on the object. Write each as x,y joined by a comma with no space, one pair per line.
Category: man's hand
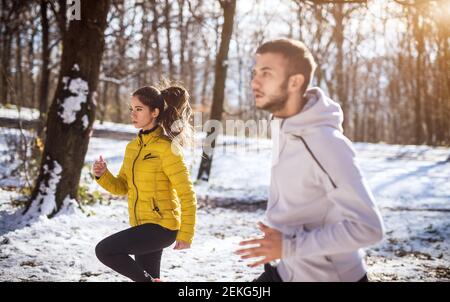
268,247
181,245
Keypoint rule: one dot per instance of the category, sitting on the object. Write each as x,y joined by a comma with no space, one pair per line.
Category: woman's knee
101,250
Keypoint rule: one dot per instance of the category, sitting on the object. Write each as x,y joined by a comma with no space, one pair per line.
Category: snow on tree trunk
72,113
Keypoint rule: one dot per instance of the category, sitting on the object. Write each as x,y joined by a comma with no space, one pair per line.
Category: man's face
269,81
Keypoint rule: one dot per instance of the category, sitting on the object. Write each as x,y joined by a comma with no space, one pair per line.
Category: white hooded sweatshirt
318,198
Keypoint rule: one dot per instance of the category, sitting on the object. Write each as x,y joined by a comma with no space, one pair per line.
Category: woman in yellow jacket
161,199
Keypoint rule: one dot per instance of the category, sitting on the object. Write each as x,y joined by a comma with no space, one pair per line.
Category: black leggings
146,242
271,275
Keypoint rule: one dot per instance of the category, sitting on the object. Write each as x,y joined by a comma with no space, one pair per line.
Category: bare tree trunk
168,36
20,101
365,114
118,104
121,68
191,65
443,130
338,35
300,20
205,78
5,63
143,54
104,102
430,102
355,100
3,40
11,13
61,16
240,73
229,8
418,95
68,127
374,115
441,98
156,38
45,71
395,114
31,67
183,39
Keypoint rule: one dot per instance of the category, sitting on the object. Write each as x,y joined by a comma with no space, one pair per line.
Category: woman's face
141,115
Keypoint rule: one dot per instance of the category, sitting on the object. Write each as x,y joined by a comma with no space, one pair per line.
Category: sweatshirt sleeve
361,224
178,174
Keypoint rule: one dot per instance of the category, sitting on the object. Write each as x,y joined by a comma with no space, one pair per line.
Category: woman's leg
114,251
150,262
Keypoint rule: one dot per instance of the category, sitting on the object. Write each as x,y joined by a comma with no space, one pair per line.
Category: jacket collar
145,136
148,131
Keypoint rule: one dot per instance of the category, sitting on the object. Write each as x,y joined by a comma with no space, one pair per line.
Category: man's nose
254,83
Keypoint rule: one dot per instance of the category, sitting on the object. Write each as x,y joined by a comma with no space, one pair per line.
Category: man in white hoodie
320,211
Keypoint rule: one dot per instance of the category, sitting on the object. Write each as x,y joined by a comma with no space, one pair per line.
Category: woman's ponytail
176,114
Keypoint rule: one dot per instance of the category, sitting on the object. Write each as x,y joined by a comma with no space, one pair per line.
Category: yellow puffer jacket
157,183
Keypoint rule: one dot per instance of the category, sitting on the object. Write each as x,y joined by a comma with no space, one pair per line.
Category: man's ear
296,82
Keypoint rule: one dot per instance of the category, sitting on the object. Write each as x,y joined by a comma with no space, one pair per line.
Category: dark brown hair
174,109
300,59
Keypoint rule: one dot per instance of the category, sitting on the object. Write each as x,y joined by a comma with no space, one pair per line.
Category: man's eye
139,109
130,109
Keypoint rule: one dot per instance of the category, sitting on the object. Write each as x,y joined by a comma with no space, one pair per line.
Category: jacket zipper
132,178
316,160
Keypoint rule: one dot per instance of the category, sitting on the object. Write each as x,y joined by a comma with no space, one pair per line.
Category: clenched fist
99,167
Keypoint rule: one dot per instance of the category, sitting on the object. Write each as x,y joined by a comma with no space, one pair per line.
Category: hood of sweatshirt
319,111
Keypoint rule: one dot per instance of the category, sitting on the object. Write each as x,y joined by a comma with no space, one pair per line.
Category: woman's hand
99,167
182,245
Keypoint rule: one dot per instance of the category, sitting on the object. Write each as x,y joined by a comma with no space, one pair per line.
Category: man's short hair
300,59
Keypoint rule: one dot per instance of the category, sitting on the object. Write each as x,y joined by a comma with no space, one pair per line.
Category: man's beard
277,102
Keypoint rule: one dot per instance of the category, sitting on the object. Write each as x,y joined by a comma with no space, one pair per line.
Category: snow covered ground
411,185
62,248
